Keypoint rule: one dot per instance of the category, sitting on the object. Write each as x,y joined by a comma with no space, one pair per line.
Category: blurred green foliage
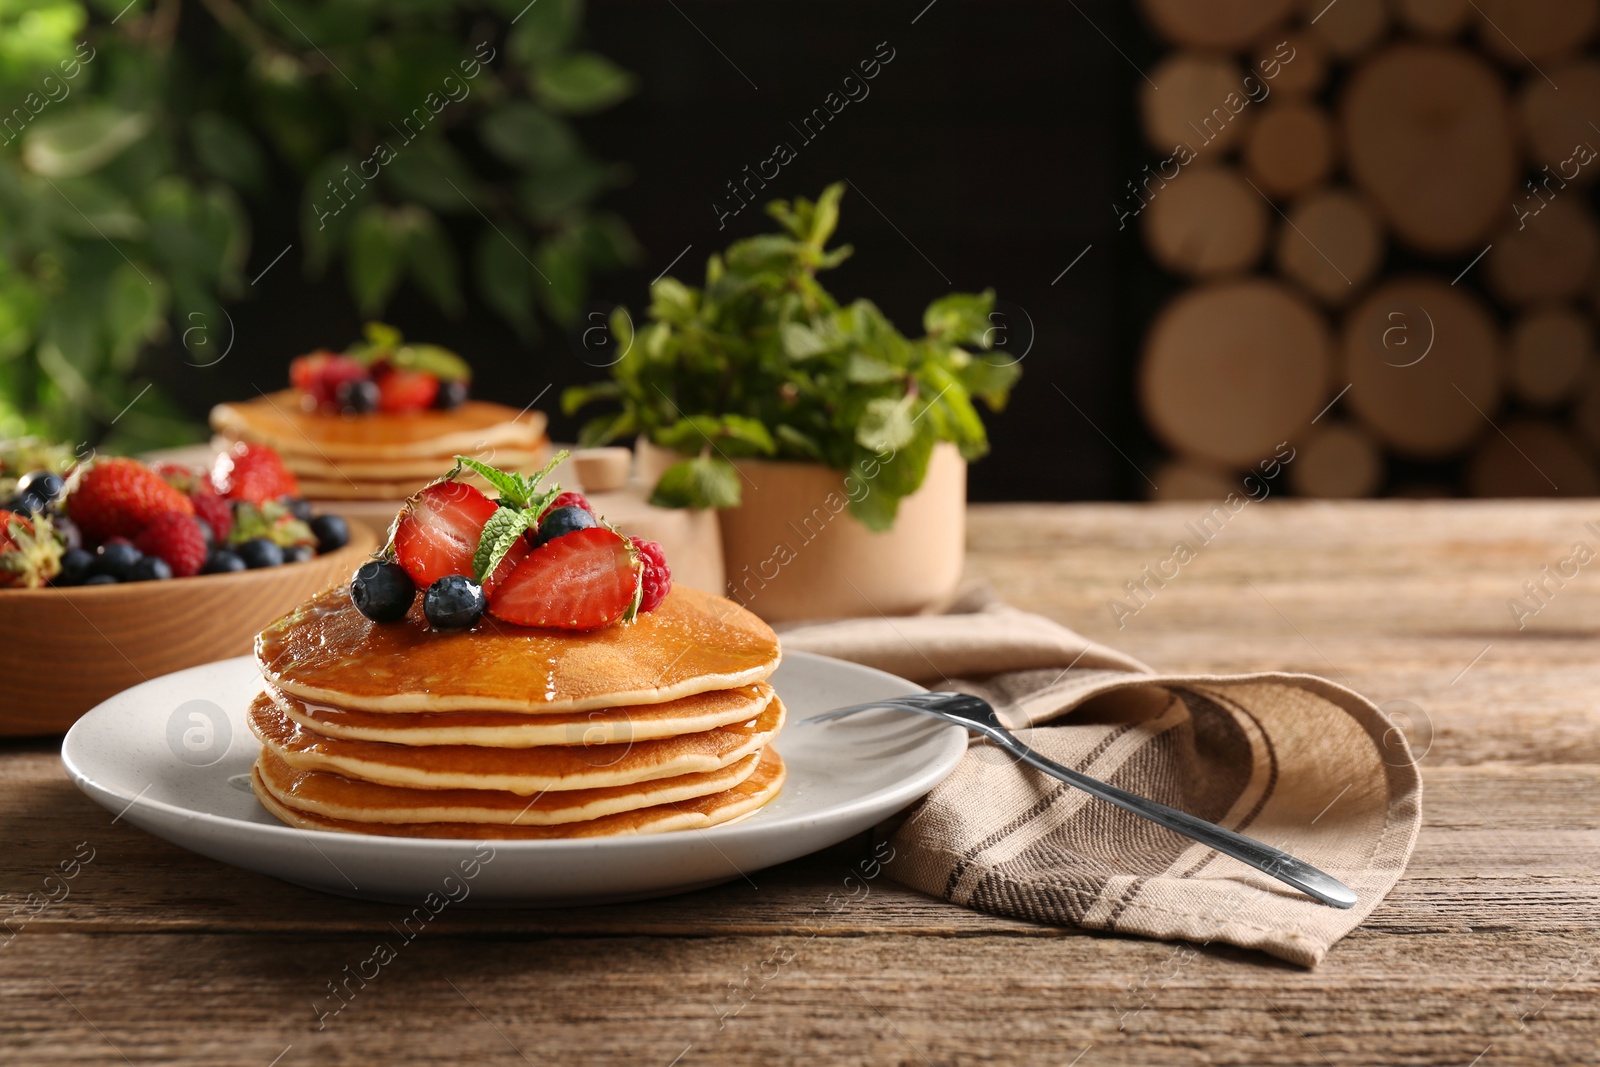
136,140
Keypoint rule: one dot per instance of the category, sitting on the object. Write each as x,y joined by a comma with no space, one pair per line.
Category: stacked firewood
1384,208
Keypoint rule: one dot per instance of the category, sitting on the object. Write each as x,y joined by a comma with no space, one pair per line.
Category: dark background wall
991,149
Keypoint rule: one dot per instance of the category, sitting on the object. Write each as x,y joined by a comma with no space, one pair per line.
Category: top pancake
327,651
277,419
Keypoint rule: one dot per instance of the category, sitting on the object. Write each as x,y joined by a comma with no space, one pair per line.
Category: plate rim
908,789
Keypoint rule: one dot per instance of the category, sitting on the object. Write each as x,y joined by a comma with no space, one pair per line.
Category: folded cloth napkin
1293,760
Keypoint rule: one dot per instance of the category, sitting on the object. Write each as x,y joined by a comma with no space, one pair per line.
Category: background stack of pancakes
382,455
506,732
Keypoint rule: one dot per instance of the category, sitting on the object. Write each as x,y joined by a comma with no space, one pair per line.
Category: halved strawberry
438,533
406,390
582,581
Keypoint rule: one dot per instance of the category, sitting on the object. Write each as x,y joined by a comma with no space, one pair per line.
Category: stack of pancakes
382,455
507,732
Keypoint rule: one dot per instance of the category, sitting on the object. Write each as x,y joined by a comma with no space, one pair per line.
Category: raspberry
319,375
568,499
215,510
176,539
657,577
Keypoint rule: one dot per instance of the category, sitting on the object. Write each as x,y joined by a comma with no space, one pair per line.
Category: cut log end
1337,461
1206,222
1331,244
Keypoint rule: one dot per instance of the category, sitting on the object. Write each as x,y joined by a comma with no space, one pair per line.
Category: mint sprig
523,498
762,361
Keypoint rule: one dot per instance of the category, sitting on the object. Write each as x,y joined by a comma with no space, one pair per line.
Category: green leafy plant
763,361
137,140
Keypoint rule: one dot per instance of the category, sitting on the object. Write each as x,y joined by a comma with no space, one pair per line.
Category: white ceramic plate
173,756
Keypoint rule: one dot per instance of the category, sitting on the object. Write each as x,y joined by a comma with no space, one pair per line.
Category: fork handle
1262,857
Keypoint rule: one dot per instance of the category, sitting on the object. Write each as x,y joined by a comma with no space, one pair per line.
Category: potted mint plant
834,446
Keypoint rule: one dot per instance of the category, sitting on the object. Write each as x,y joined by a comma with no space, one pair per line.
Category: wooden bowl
62,651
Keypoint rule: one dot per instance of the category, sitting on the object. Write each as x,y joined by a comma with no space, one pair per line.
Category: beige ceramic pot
792,550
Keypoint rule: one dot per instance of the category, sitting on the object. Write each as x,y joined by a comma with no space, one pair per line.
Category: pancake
420,469
716,809
278,420
334,796
524,771
500,729
336,488
327,652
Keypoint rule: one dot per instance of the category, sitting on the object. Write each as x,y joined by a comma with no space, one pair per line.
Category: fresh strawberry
568,499
270,520
583,581
657,576
438,533
319,375
252,472
406,390
119,497
306,370
176,538
180,476
30,555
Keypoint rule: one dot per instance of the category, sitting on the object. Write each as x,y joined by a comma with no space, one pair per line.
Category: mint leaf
499,534
510,486
701,482
960,318
886,425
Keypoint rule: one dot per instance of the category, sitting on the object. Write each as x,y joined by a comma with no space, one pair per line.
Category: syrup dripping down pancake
334,796
327,652
524,771
501,729
277,419
715,809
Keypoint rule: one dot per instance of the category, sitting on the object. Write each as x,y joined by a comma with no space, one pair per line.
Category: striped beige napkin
1290,759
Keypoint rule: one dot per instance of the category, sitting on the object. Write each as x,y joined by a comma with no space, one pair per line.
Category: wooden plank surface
1488,951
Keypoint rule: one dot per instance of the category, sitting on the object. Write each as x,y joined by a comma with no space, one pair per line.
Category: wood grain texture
1489,947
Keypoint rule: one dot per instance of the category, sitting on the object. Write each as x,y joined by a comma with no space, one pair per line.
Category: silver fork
976,715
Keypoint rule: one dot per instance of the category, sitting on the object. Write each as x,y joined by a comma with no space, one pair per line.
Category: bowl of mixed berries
114,571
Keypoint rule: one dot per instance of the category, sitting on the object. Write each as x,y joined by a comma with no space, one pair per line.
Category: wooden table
1488,952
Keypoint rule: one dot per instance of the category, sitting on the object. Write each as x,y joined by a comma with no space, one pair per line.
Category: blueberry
298,553
299,507
558,522
206,532
46,485
67,530
331,531
100,579
222,561
357,398
76,566
454,602
382,591
451,394
259,552
150,569
116,558
27,503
